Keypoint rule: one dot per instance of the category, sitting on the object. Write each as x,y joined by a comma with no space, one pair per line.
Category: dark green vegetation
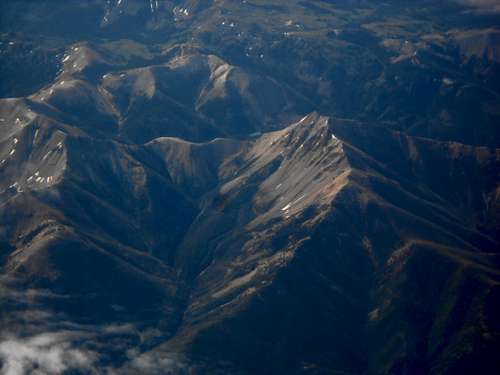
249,187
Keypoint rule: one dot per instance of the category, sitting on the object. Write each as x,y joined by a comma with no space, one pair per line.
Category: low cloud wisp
482,6
47,353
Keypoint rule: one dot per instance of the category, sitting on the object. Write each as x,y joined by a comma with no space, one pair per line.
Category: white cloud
155,362
39,341
483,6
48,353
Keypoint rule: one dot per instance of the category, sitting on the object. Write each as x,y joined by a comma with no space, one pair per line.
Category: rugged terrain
243,187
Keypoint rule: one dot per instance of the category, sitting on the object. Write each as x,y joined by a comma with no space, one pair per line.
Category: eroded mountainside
242,187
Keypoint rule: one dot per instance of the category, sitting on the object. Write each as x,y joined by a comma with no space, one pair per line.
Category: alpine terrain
250,187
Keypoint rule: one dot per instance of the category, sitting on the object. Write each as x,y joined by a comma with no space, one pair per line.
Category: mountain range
249,187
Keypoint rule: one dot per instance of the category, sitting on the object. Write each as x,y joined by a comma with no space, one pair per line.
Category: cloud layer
47,353
483,6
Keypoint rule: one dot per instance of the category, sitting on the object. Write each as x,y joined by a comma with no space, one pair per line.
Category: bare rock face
256,187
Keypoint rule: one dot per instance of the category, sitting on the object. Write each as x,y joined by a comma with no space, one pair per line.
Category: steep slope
270,243
291,263
64,203
195,167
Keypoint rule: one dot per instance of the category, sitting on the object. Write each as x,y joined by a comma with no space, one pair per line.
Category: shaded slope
309,268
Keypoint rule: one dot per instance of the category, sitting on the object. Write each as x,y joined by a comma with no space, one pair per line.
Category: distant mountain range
249,187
